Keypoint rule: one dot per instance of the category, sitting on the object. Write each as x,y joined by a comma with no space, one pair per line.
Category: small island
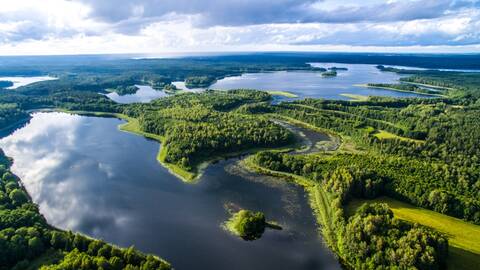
331,73
248,225
170,88
157,82
388,69
319,69
123,90
199,81
338,68
5,84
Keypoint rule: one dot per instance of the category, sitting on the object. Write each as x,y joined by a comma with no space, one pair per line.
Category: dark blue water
89,177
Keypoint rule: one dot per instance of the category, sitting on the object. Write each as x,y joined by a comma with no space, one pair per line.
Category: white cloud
151,26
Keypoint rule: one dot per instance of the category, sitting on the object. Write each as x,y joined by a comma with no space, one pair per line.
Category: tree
35,246
58,240
18,197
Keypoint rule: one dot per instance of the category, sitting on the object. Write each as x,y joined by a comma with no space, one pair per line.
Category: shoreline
15,124
355,97
399,90
131,126
286,94
53,228
317,199
429,85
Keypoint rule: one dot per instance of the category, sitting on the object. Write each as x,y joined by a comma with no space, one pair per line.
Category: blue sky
159,26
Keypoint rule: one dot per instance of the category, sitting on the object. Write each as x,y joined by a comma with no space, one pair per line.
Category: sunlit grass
355,97
283,94
463,237
385,135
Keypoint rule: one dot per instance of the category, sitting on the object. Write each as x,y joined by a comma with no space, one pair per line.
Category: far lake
145,93
312,84
22,81
302,83
90,177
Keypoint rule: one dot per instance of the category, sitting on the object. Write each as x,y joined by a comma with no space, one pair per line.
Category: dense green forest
198,127
338,68
25,238
81,78
421,151
434,154
10,113
124,90
199,81
372,238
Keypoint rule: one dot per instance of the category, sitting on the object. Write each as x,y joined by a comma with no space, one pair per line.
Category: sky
34,27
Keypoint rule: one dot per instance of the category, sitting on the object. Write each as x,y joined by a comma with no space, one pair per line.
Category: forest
429,159
199,127
420,151
124,90
199,81
372,238
432,162
10,113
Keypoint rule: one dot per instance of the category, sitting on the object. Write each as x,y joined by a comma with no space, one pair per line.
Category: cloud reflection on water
89,177
53,171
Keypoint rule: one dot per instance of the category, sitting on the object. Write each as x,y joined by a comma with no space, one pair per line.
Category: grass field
463,237
399,90
385,135
355,97
282,93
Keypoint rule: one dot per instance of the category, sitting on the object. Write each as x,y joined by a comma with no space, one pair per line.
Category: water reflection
88,176
181,86
312,84
302,83
22,81
145,93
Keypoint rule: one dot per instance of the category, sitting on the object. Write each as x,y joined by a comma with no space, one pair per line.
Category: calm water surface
302,83
181,85
312,84
22,81
145,93
88,176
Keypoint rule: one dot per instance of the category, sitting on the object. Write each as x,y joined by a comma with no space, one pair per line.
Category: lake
22,81
90,177
181,85
145,93
302,83
312,84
